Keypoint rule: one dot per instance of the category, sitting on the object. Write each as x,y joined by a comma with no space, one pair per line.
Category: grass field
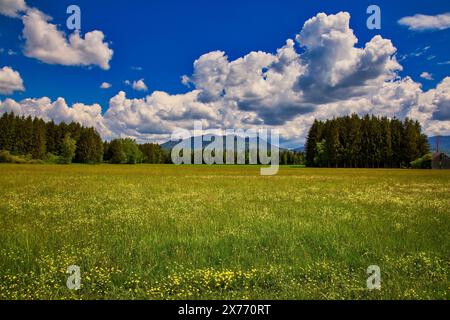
199,232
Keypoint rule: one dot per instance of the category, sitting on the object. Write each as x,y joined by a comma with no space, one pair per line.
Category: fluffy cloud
442,101
105,85
426,76
259,84
46,43
275,88
12,8
58,111
158,113
330,76
139,85
335,68
10,81
420,22
210,74
433,109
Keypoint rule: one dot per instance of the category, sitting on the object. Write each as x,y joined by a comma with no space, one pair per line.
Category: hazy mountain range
210,138
444,143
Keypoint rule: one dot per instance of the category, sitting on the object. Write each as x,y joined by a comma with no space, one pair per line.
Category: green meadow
222,232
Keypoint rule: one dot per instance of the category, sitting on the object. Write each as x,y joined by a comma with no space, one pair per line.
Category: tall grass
197,232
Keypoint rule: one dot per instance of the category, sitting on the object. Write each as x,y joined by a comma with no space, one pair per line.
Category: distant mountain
444,143
168,146
299,149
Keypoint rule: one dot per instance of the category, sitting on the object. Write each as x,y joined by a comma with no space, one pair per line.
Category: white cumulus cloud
421,22
335,68
12,8
43,40
139,85
46,43
10,81
58,111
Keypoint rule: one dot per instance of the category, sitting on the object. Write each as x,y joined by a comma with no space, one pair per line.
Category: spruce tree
39,132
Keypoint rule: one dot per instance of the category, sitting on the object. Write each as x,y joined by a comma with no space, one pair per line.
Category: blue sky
158,41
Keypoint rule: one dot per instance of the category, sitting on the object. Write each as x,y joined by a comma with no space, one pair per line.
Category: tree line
348,142
127,151
35,139
286,157
366,142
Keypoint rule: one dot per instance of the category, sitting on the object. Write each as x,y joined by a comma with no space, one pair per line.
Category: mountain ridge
444,144
168,145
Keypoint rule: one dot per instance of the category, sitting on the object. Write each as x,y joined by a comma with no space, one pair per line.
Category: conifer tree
39,141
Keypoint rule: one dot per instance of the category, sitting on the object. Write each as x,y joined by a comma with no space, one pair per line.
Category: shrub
52,158
423,163
6,157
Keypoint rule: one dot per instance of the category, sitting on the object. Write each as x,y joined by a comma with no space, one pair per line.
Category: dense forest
36,139
26,139
367,142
